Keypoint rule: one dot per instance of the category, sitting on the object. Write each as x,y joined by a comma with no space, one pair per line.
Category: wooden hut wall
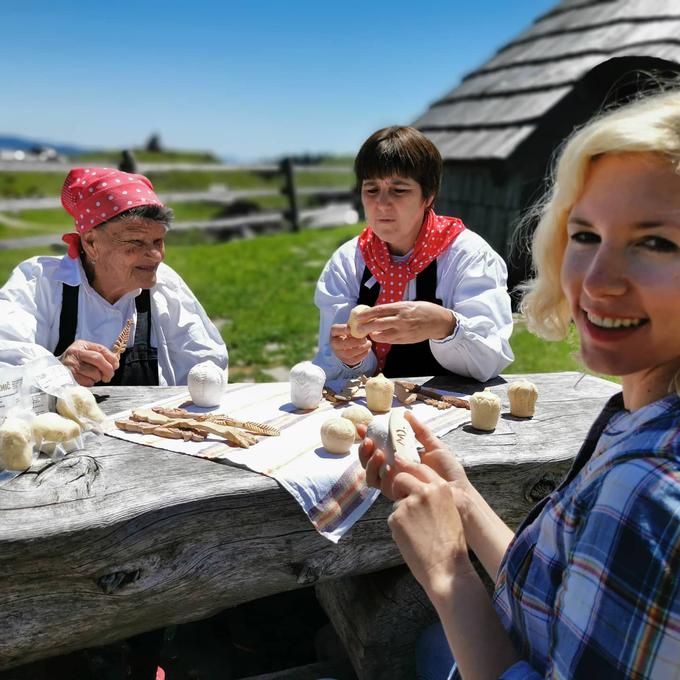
499,128
484,197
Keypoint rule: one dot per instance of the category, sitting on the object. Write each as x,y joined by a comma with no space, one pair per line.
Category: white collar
71,272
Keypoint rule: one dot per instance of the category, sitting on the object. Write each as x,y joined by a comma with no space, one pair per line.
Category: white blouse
471,282
30,308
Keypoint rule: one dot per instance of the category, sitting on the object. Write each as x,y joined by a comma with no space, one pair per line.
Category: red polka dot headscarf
435,236
96,195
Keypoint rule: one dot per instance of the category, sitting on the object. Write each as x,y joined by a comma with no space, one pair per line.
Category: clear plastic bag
17,453
16,414
78,404
29,396
55,436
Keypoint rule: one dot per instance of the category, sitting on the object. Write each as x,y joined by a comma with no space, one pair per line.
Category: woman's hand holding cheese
346,347
407,322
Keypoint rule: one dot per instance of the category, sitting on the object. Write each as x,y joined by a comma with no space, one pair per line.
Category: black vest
415,359
139,363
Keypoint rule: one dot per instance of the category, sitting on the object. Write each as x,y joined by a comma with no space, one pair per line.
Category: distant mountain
24,144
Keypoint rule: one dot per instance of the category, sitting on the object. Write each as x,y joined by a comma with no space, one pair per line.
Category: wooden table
127,538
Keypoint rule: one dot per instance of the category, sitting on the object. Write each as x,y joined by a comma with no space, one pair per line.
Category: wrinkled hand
401,323
89,362
427,527
348,349
434,455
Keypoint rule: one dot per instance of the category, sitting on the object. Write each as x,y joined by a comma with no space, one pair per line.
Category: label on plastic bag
13,394
52,378
32,386
41,402
10,388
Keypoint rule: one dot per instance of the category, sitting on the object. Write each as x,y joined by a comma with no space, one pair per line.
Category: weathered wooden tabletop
127,538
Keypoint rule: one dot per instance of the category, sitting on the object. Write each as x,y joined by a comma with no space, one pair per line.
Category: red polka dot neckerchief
436,234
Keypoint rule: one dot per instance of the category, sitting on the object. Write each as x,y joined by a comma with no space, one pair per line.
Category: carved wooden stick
437,403
248,425
347,393
122,340
231,434
455,401
403,395
334,397
159,430
433,394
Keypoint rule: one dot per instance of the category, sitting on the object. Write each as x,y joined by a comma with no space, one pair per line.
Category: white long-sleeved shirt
471,282
30,308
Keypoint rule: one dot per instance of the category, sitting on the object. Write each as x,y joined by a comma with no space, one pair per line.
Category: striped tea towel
331,489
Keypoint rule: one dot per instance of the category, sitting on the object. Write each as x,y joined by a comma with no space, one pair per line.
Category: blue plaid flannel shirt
590,585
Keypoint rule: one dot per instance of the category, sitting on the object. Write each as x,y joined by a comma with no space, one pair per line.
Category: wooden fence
293,216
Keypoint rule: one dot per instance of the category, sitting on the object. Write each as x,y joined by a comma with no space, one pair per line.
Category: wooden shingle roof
498,106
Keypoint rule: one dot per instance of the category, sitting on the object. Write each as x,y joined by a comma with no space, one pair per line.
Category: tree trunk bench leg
378,617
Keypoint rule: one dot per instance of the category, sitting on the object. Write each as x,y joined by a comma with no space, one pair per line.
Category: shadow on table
459,383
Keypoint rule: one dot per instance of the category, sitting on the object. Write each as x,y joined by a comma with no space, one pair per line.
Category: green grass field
260,293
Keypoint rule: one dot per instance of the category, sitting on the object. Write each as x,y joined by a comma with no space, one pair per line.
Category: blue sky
248,80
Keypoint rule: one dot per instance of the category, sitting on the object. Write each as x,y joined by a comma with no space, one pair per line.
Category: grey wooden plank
668,51
600,40
492,110
478,144
589,14
524,76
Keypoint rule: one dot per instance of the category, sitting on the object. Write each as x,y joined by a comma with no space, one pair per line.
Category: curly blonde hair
648,125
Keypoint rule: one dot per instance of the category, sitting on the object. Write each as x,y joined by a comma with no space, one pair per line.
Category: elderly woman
436,290
76,306
588,587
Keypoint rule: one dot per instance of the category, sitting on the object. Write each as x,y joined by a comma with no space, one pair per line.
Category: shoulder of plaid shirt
30,307
591,587
471,281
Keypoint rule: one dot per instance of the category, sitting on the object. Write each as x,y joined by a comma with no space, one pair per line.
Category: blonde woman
589,585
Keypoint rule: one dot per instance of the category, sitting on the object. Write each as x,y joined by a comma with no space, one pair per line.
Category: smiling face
621,269
126,254
395,208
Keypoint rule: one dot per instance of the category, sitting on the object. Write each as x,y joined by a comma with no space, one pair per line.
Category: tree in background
128,163
154,143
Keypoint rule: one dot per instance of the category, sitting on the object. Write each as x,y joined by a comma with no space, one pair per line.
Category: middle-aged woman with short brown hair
589,585
437,292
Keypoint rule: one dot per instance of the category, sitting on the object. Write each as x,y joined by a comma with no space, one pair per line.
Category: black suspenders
68,319
139,363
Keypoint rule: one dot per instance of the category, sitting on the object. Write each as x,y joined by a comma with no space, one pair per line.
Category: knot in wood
541,489
306,574
320,565
69,479
116,580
